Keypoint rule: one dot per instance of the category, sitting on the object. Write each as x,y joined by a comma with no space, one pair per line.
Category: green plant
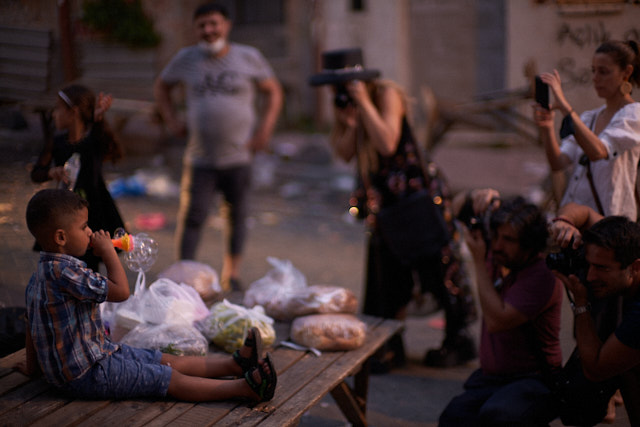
122,21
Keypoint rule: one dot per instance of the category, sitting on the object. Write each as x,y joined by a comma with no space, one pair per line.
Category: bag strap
584,160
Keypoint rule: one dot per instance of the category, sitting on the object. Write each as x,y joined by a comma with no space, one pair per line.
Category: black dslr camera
569,261
342,98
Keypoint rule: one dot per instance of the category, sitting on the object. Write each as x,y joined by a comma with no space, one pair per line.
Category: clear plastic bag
181,340
315,299
273,290
329,332
121,317
200,276
228,324
167,302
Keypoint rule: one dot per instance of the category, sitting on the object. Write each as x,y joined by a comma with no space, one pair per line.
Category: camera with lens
342,98
472,220
475,222
569,261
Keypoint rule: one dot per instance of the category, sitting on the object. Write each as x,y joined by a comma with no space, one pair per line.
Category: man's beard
213,48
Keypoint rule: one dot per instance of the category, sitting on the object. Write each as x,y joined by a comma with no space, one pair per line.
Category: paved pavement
298,213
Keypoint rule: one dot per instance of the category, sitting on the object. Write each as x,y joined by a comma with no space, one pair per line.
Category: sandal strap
254,342
265,389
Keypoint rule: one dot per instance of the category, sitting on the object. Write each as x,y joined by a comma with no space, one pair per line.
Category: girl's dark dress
103,213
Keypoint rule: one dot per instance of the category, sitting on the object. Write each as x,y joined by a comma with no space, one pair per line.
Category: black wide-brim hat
342,65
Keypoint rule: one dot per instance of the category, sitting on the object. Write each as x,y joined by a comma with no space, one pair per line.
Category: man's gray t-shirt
220,98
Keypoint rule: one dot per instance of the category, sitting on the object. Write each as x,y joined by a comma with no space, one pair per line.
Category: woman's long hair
368,157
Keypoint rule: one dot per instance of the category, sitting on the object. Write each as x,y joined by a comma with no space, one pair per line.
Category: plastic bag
228,323
181,340
329,332
272,290
122,317
314,300
167,302
200,276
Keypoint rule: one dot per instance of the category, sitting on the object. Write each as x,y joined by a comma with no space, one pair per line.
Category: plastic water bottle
71,168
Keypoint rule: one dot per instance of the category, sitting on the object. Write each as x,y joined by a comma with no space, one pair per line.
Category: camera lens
342,98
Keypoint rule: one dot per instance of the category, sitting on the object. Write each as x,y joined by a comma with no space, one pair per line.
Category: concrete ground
298,213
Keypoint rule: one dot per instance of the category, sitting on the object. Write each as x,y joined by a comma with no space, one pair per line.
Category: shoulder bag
414,227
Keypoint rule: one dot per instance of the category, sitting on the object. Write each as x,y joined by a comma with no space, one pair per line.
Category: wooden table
303,379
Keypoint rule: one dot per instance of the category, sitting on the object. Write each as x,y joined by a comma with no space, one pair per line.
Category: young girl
78,118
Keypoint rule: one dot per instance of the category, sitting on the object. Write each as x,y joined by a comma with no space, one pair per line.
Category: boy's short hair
208,8
49,209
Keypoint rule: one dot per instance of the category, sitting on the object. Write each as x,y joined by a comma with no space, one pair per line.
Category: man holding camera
521,304
612,251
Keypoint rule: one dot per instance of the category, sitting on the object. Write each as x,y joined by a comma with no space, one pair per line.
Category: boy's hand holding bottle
101,244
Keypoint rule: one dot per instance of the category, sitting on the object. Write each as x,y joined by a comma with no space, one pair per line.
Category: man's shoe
453,352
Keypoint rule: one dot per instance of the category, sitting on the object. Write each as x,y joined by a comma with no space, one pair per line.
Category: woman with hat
371,125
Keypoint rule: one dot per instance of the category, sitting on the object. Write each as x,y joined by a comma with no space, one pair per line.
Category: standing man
224,130
521,304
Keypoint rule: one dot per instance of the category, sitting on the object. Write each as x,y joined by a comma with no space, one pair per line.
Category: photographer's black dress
389,281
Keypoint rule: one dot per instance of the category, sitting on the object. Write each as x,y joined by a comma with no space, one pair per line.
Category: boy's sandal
266,388
253,341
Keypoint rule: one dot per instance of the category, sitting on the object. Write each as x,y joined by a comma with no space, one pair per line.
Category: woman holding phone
601,154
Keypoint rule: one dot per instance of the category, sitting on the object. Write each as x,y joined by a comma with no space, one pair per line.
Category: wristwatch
580,309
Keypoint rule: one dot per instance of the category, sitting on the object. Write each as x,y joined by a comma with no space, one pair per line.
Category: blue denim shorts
127,373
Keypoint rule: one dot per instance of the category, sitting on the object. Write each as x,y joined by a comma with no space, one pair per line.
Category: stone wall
565,38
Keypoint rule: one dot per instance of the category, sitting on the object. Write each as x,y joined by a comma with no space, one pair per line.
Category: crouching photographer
612,253
521,304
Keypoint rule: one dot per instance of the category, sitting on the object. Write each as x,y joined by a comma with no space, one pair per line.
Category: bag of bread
202,277
329,332
315,299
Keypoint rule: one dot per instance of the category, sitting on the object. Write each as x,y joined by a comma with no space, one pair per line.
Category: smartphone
542,93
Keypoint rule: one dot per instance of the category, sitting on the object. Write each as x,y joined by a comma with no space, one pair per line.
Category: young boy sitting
66,339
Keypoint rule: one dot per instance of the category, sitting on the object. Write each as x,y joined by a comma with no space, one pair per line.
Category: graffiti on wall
584,35
587,37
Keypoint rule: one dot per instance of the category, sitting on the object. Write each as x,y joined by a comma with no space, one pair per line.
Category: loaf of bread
313,300
329,332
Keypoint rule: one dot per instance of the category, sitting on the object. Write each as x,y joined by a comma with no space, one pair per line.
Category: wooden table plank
12,381
8,362
118,412
151,412
22,394
204,414
170,415
33,409
72,413
289,383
